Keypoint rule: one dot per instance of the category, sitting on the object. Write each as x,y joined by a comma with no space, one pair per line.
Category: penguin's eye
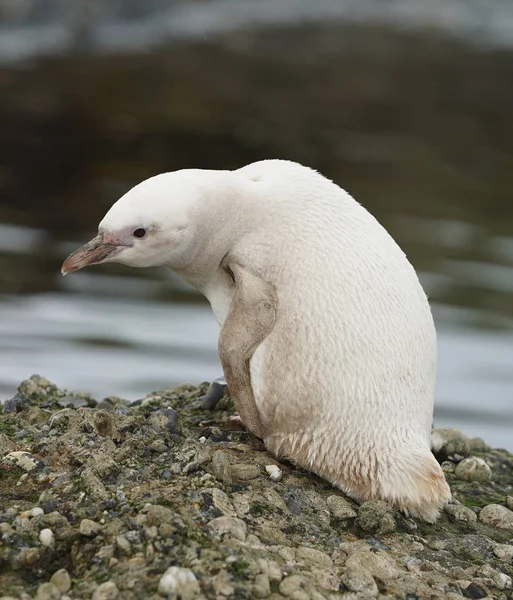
139,233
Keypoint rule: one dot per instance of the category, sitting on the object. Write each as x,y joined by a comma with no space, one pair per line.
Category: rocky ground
155,499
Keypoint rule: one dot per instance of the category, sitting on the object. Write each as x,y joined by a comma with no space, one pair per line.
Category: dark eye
139,233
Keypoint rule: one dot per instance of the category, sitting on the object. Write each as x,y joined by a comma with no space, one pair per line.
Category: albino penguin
327,340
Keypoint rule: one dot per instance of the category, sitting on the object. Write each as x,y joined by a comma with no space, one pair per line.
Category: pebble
358,579
497,516
106,591
504,552
230,526
180,582
72,402
222,583
379,564
47,538
216,503
509,502
61,580
165,419
274,472
89,528
48,591
6,445
450,443
25,461
221,467
244,472
157,515
458,512
313,557
262,587
473,469
376,516
340,508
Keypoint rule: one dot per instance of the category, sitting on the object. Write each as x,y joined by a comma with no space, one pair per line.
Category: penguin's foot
234,422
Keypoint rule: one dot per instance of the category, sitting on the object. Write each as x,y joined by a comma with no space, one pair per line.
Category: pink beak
92,253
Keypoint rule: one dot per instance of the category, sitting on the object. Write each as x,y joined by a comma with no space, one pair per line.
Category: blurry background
408,104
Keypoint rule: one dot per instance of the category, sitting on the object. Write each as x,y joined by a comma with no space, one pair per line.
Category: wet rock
106,591
498,516
376,516
180,582
61,580
340,508
473,469
358,579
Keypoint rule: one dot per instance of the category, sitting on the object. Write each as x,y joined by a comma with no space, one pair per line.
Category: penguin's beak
93,253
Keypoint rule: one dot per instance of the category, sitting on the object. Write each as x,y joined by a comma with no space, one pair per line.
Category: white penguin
327,340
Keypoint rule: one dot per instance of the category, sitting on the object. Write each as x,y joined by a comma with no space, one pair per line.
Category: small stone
216,503
61,580
36,511
262,587
379,564
25,461
474,591
358,579
165,419
106,591
48,591
274,472
222,583
509,502
89,528
498,516
458,512
221,466
313,558
244,472
14,404
180,582
340,508
231,526
504,552
448,443
72,402
376,516
47,538
158,446
6,445
124,545
157,515
105,424
473,469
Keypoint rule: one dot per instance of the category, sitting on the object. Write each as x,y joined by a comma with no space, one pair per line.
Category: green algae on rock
159,499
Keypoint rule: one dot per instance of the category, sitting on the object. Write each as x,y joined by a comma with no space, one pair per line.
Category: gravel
158,499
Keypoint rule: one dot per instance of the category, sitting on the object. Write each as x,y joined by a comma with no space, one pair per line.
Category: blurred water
417,126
